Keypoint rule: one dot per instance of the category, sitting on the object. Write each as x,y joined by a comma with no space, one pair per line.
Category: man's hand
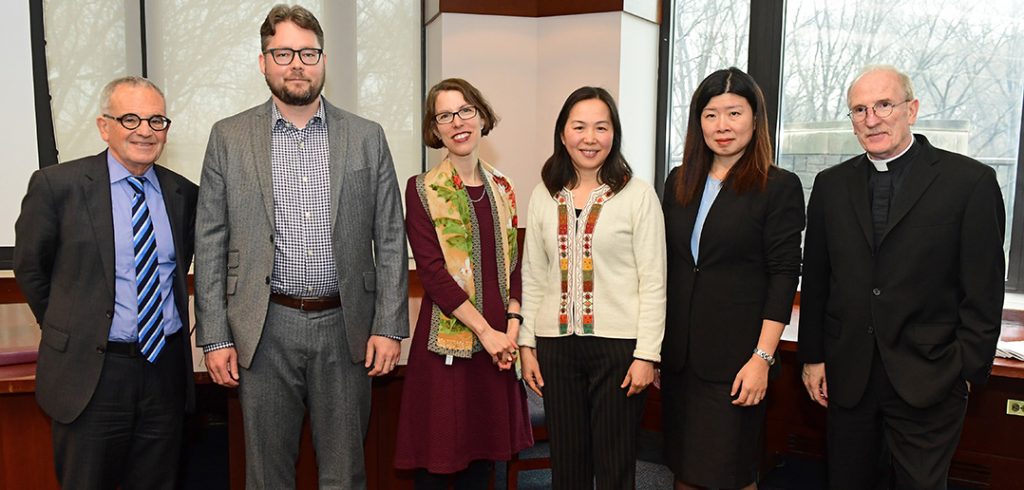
814,380
222,365
382,353
639,376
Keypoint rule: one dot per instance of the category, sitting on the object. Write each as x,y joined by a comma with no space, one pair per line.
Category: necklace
482,194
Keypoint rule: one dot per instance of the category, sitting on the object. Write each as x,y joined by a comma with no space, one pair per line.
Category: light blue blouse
711,188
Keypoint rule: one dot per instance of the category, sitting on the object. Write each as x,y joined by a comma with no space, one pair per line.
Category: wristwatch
770,359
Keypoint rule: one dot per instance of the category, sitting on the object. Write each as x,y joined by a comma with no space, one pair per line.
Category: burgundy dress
453,415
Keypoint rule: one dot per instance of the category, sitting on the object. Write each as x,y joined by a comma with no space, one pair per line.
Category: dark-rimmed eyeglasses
284,56
133,121
466,113
882,109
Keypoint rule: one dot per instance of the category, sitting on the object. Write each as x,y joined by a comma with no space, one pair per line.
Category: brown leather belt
306,304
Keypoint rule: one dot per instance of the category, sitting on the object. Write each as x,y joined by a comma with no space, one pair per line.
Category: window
964,60
707,35
204,57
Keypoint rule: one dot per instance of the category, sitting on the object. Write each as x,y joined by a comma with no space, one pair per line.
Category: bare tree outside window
204,56
707,35
965,59
85,49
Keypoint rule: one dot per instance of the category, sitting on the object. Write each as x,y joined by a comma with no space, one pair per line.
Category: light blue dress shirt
124,327
711,188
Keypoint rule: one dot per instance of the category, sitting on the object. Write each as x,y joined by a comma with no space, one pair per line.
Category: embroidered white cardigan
629,269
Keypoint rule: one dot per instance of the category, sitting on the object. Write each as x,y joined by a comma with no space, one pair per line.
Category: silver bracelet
770,359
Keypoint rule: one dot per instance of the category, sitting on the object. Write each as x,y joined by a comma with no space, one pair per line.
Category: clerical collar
883,165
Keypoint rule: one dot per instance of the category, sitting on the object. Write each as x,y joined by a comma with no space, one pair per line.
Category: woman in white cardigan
593,296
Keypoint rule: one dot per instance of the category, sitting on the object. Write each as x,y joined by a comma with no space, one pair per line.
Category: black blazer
747,271
930,298
64,265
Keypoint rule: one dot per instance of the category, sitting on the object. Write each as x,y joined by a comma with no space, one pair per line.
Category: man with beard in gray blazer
301,286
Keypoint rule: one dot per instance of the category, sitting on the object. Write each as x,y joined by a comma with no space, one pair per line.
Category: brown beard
296,99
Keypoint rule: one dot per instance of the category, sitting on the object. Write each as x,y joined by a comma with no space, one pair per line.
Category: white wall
526,67
18,126
638,94
498,55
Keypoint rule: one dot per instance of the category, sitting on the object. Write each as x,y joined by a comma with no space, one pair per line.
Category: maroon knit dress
453,415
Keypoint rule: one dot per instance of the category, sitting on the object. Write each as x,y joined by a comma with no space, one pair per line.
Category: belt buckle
302,304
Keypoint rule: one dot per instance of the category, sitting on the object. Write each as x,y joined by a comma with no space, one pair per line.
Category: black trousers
130,432
592,425
884,443
475,477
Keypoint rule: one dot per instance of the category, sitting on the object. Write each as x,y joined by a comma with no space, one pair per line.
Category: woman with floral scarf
463,406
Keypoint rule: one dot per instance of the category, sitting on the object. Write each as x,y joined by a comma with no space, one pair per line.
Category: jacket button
266,279
876,292
271,238
871,329
696,269
110,314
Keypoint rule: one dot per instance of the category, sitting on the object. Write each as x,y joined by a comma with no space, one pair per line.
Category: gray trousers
303,361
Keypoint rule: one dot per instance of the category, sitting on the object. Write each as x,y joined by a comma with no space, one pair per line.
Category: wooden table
986,457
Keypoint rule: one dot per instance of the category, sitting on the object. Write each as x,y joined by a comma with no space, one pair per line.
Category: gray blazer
235,232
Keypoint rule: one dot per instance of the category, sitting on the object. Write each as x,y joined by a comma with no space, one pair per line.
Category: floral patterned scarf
447,204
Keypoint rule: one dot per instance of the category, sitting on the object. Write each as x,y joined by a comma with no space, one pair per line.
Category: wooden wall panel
529,8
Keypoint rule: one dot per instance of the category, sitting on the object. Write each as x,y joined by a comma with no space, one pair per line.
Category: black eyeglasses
882,109
133,121
466,113
284,56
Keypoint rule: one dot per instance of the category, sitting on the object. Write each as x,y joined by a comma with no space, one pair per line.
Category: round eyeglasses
284,56
466,113
882,109
133,121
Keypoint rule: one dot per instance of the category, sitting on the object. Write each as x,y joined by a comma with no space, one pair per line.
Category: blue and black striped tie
147,275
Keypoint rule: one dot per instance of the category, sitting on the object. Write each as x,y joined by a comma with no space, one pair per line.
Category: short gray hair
134,81
904,79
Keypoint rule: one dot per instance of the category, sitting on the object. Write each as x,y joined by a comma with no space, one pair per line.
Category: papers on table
1010,350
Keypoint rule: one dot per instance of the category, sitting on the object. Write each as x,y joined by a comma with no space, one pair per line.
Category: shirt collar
118,172
281,123
883,165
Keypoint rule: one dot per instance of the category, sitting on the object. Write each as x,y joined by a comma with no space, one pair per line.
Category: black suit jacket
747,271
930,298
64,265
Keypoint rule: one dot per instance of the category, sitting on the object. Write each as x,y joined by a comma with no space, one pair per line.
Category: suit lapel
174,204
919,176
688,216
858,189
96,188
261,159
338,137
723,200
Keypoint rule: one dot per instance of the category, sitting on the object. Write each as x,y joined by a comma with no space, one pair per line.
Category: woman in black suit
733,221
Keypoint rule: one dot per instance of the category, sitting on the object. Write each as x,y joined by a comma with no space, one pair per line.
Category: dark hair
751,171
293,13
558,170
473,97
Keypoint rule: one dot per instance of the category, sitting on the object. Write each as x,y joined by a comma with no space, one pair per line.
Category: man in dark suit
102,249
902,293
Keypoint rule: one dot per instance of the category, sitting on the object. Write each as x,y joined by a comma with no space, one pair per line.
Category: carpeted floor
206,467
